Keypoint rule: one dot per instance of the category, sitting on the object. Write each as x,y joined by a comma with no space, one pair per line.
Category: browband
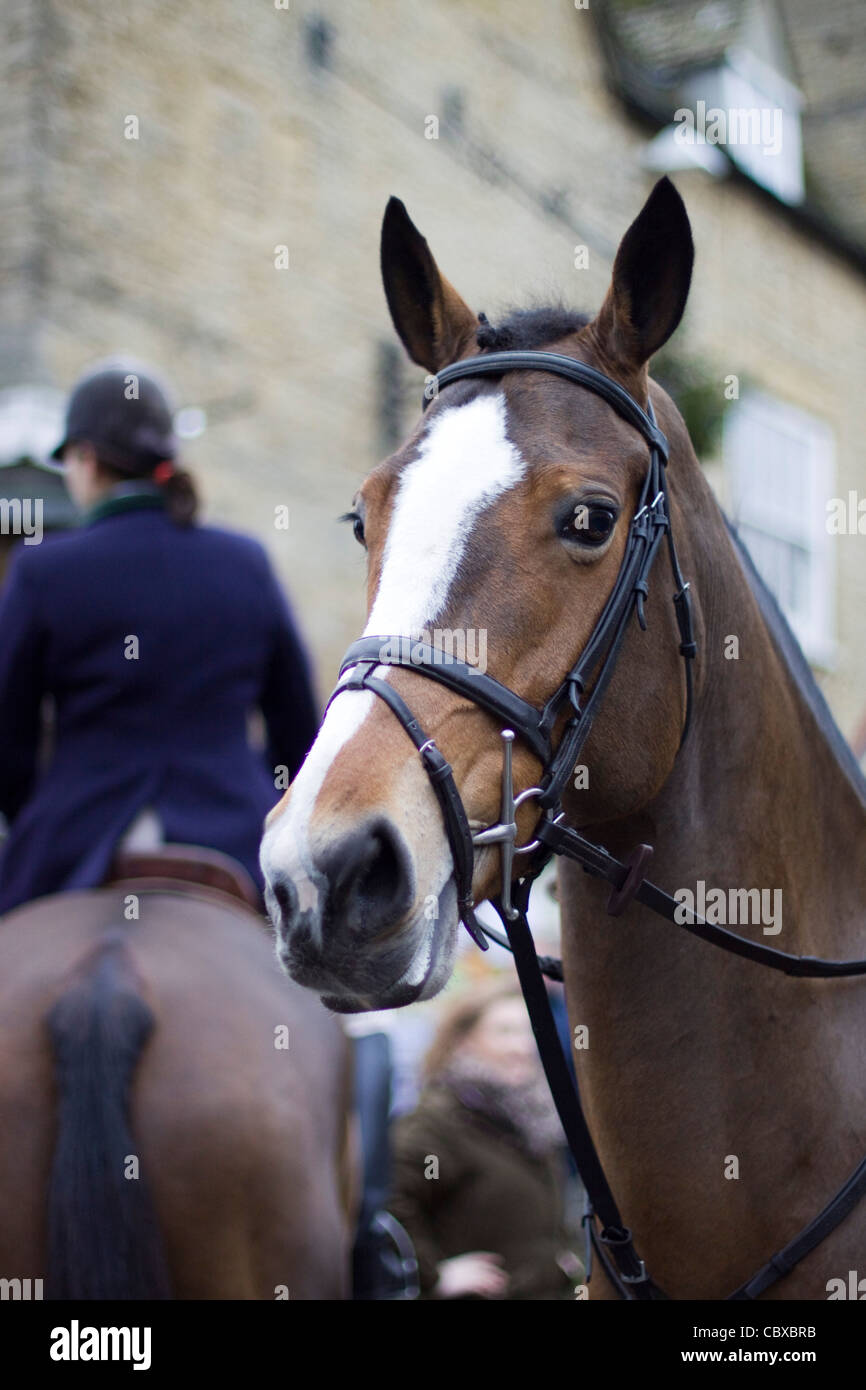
495,363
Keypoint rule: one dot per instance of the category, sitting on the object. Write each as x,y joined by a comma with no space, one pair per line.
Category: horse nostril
369,878
381,871
287,898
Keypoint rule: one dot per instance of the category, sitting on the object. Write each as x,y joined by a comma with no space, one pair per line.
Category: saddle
185,869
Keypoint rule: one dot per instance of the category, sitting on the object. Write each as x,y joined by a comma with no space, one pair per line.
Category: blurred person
477,1165
157,639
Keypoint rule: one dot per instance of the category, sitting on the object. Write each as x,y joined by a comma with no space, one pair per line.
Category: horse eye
357,525
590,524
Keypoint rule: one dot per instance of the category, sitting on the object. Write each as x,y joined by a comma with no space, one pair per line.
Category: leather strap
809,1238
441,777
466,680
495,363
563,840
615,1235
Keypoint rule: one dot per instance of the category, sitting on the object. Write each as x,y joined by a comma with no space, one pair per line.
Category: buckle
624,1237
504,832
683,609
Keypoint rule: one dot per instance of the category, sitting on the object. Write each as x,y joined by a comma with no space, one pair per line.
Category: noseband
613,1242
535,726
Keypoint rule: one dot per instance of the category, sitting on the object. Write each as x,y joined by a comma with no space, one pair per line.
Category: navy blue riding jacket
156,642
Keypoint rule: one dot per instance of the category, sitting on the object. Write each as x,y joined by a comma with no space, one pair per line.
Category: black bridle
535,727
650,523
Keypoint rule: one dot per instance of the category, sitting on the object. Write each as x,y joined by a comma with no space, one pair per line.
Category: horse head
498,531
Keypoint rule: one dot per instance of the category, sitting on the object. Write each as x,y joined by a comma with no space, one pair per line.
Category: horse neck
683,1038
758,797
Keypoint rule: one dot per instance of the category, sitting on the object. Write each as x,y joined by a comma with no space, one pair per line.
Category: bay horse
174,1112
727,1102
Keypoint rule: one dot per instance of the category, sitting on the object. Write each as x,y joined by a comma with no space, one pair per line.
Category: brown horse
728,1103
174,1113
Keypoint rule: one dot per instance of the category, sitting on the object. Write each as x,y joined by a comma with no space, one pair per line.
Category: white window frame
744,82
779,466
747,82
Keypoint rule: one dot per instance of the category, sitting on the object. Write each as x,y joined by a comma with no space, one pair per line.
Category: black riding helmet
124,414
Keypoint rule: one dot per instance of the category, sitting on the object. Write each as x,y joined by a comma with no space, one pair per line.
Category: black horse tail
103,1238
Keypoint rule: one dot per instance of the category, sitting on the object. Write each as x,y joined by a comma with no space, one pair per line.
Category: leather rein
651,523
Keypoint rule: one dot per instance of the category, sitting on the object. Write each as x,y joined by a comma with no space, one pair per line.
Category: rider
157,639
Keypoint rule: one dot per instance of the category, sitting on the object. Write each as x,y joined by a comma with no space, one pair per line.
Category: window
779,470
758,94
748,109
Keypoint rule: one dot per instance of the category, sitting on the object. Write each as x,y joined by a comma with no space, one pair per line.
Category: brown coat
490,1194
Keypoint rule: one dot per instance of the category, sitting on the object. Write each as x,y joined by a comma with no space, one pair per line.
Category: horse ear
434,324
650,284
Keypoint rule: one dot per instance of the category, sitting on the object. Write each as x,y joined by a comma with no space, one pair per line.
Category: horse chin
428,970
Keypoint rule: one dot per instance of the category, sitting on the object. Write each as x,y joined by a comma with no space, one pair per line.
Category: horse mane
529,328
800,671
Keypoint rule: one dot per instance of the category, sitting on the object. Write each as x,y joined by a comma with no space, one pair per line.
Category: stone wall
259,127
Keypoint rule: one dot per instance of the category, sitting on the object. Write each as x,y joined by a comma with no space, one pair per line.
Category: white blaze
464,462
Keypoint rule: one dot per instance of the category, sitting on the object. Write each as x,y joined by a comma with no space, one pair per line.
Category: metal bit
504,833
